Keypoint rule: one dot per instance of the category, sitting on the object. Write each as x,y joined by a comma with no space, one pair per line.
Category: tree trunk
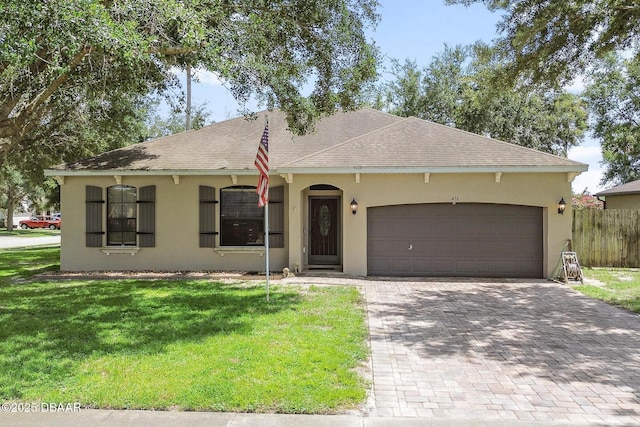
11,206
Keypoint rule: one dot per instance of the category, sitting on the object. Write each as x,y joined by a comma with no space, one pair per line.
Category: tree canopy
61,60
552,41
159,126
462,87
613,94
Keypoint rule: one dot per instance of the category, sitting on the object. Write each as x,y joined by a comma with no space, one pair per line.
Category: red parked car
41,222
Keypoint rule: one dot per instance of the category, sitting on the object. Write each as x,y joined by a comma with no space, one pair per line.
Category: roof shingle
632,187
363,139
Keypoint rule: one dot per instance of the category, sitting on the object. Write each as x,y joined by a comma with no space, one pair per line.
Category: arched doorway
325,227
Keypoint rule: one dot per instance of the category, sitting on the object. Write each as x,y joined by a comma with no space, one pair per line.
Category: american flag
262,163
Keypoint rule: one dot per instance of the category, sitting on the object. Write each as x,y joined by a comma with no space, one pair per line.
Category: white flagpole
262,163
266,242
266,227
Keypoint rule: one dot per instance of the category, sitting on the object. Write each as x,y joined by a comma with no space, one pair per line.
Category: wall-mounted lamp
561,206
354,206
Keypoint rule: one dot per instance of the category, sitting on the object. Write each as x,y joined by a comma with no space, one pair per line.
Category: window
130,212
241,220
121,215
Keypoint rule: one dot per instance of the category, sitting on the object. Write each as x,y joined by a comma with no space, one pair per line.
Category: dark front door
323,230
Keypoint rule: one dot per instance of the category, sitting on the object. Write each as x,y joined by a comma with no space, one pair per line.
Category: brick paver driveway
501,350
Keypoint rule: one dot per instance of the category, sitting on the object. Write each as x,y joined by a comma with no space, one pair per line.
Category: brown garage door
466,239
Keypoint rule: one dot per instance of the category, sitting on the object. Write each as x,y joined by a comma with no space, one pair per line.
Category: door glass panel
323,230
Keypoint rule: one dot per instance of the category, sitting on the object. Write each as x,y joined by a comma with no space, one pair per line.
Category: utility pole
188,109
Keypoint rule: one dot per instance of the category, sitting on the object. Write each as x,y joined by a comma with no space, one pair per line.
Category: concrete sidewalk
103,418
7,242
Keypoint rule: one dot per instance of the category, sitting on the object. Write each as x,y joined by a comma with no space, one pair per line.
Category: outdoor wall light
354,206
561,206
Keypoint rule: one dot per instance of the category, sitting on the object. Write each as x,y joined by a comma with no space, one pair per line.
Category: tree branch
55,85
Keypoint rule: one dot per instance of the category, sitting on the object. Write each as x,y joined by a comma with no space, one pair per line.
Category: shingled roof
362,141
632,187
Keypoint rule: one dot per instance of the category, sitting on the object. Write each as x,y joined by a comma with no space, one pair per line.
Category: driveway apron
502,350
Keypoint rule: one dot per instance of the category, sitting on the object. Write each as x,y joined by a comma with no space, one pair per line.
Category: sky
417,30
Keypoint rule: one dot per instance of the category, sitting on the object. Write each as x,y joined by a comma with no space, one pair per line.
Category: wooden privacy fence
607,238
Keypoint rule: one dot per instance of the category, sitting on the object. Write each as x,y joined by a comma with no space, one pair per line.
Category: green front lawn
23,263
618,286
35,232
187,345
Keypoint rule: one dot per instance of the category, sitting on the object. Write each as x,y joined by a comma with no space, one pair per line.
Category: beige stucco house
431,201
625,196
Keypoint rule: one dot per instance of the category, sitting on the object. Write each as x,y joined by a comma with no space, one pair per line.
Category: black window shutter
276,217
207,216
147,217
93,222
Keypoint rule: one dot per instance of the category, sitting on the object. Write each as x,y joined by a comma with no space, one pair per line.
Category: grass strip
36,232
616,286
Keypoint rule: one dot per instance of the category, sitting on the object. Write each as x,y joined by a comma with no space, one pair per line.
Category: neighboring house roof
632,187
366,141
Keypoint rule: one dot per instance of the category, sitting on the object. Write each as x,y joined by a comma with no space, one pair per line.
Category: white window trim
116,250
222,251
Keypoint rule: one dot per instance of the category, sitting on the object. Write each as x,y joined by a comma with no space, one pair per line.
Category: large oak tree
76,75
552,41
61,60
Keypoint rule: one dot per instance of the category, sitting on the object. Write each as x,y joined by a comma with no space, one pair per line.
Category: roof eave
577,168
148,172
617,193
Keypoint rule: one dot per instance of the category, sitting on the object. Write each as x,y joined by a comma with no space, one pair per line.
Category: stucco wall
533,189
177,229
177,216
628,201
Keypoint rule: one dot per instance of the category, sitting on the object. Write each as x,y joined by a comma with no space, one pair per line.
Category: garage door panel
399,247
527,233
486,268
418,230
528,266
401,266
466,248
378,246
514,226
511,268
379,227
455,240
443,267
467,267
420,249
380,266
440,228
484,230
508,248
400,229
464,228
421,266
